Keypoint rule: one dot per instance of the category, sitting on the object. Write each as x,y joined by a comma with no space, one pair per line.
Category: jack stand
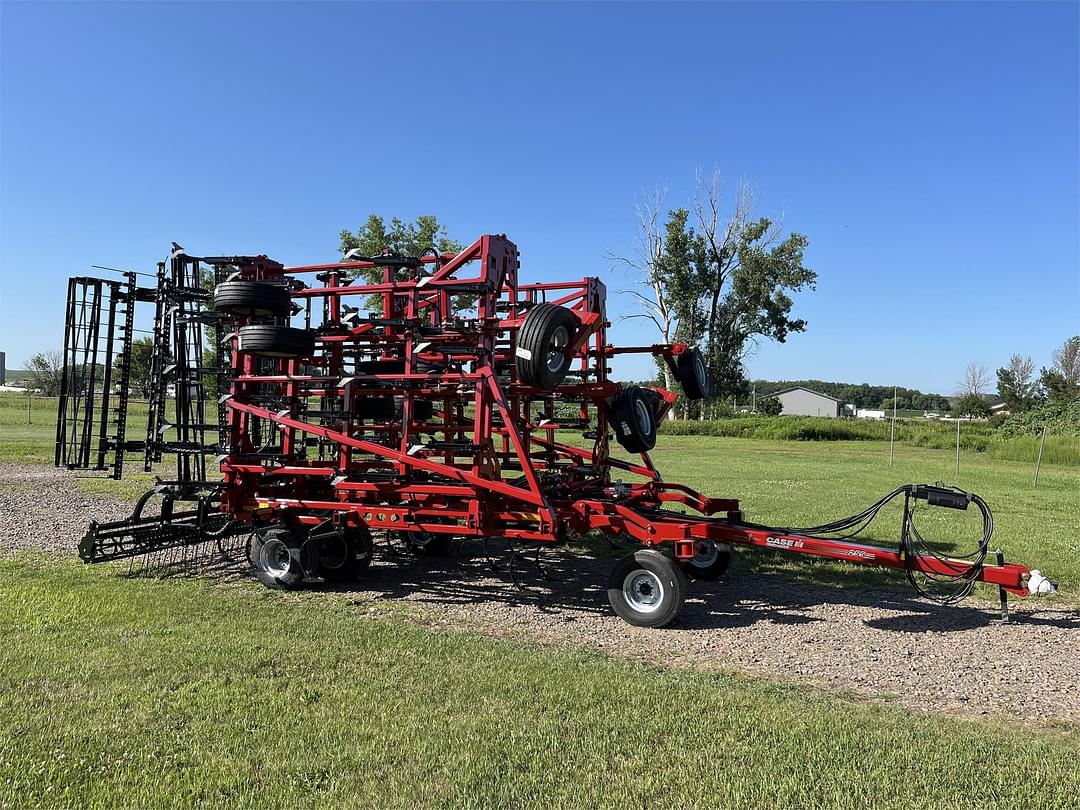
1003,595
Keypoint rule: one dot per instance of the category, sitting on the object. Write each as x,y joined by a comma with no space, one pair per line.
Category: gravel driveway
883,644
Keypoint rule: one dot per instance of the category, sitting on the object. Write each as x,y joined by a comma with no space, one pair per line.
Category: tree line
1019,387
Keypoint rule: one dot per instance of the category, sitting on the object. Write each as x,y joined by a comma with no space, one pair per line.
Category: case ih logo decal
783,542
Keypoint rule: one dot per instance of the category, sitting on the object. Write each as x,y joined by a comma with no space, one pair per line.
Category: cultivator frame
440,414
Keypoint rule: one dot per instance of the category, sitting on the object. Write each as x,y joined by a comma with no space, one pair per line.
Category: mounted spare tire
270,340
634,419
252,299
693,374
545,332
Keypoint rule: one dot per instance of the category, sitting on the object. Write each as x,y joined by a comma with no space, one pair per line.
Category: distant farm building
870,413
799,401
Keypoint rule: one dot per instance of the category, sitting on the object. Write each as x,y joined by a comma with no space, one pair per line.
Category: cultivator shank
435,397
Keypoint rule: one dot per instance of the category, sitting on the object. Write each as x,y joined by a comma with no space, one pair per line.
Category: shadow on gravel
570,582
932,618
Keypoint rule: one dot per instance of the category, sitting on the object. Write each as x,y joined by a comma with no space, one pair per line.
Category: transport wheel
692,374
646,589
427,544
344,554
274,553
634,420
271,340
710,561
252,298
546,330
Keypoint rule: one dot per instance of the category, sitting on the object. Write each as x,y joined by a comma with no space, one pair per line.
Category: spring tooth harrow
442,413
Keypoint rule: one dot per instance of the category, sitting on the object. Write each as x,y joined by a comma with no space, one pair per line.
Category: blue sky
930,152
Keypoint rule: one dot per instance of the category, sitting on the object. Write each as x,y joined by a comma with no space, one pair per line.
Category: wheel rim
334,553
706,554
556,359
644,416
643,591
699,371
276,558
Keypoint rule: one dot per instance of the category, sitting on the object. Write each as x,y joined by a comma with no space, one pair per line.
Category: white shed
799,401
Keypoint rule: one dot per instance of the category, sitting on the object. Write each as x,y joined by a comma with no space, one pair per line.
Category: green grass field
134,692
146,693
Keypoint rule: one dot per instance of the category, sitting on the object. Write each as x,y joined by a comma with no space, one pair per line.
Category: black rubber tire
345,554
656,585
711,561
542,330
427,544
271,340
386,409
633,418
275,555
693,374
253,299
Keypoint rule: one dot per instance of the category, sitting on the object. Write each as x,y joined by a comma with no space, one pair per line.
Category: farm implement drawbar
434,397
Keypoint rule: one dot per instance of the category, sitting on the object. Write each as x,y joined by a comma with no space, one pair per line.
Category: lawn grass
131,692
28,427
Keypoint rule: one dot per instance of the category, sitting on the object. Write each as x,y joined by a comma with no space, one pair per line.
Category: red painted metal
501,466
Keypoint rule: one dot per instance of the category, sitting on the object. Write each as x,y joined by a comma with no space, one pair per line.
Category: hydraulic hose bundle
964,570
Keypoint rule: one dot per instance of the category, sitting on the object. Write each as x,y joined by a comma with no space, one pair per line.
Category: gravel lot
882,644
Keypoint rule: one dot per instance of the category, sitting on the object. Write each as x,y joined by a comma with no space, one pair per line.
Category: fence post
958,445
892,430
1038,461
28,407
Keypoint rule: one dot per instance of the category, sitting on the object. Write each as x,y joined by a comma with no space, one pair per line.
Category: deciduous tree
1062,380
972,405
748,270
975,382
1017,386
403,238
45,371
770,406
718,280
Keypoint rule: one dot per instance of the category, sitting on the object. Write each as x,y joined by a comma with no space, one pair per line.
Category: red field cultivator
442,400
